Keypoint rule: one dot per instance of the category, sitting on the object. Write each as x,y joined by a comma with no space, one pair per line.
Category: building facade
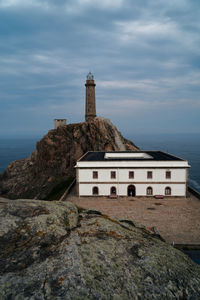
131,173
59,123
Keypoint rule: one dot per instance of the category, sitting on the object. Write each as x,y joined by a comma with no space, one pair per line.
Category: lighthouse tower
90,103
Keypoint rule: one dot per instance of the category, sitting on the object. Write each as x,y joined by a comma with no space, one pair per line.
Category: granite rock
53,250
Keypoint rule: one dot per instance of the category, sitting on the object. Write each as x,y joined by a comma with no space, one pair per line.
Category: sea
12,149
186,146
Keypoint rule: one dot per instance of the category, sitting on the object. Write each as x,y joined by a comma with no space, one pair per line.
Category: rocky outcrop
52,250
53,162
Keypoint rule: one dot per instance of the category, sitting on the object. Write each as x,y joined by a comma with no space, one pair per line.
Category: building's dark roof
156,155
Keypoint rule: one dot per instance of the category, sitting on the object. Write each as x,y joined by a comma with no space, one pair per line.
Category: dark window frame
149,174
95,175
131,175
168,175
113,174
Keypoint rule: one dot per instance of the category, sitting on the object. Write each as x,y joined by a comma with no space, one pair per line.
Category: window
168,174
95,174
149,174
95,190
149,191
113,174
113,190
131,174
167,191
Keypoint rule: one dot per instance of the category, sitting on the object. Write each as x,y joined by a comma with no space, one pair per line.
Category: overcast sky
144,54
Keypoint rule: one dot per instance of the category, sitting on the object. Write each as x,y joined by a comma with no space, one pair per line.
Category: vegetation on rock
52,250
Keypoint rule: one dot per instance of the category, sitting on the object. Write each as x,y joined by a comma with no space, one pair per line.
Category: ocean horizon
186,146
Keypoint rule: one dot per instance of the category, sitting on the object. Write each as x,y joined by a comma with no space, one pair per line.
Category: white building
59,123
131,173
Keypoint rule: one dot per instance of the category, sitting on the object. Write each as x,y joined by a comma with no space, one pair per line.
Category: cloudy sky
144,54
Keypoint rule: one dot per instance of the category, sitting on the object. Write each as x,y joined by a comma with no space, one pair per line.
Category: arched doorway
113,190
149,191
168,191
131,191
95,190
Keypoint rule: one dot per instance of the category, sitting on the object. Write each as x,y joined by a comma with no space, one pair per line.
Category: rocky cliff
51,166
53,250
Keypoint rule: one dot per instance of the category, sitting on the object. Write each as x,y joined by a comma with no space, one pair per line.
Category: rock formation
53,162
53,250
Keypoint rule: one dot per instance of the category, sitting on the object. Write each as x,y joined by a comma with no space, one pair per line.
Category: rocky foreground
53,250
52,164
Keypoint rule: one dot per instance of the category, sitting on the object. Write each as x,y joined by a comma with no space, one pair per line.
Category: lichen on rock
53,250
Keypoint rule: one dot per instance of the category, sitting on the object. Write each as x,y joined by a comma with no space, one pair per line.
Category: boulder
54,250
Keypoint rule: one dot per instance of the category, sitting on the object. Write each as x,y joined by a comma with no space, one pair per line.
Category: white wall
140,175
158,182
158,189
59,123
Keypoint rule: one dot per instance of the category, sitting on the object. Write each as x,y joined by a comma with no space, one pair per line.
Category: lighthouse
90,103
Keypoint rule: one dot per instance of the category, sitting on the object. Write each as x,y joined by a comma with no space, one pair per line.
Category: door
131,191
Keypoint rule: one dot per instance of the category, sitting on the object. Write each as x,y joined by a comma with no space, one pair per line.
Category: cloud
145,58
133,106
73,7
24,3
78,6
153,85
131,29
165,33
110,4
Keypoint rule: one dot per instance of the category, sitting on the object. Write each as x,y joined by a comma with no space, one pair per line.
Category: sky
144,54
